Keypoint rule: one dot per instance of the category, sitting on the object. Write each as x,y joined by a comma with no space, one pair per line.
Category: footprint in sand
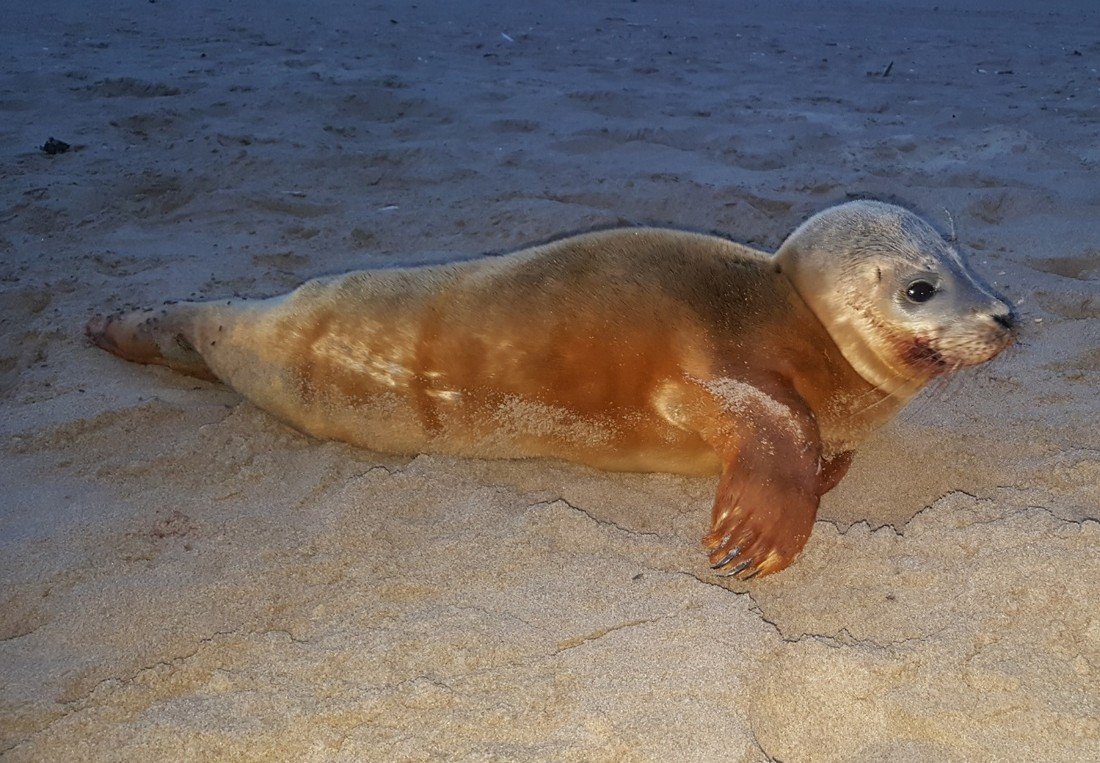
130,87
1082,267
608,103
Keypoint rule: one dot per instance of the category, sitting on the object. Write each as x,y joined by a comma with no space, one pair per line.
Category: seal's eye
920,291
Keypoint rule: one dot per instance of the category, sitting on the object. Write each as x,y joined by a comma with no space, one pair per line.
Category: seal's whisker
938,391
926,400
888,397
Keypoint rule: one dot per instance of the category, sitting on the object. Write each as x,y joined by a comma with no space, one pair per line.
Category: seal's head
897,298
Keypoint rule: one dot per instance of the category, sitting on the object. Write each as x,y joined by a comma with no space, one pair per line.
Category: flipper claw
729,557
736,570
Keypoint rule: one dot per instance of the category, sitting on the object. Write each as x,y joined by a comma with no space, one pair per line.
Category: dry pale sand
186,578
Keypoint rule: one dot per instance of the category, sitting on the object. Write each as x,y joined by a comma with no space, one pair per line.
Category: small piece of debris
885,72
55,146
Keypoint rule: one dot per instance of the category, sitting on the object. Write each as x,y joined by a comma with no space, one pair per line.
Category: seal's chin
920,355
944,352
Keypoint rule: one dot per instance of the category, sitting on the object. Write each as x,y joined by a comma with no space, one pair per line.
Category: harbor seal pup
634,349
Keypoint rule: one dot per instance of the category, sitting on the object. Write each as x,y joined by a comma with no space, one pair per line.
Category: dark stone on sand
54,146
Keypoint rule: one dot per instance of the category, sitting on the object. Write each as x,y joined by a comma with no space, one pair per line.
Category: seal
635,349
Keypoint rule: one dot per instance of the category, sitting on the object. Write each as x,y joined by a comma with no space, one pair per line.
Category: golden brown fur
634,349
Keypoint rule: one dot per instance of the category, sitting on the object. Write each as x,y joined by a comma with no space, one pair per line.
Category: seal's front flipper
162,337
768,492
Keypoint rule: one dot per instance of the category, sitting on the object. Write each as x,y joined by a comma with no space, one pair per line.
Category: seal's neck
865,346
862,346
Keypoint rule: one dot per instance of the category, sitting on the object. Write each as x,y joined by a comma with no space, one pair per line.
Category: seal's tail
163,337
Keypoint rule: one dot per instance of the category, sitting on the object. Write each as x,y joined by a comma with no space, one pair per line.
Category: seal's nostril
1007,320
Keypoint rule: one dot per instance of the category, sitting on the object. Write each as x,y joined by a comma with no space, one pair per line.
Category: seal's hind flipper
160,337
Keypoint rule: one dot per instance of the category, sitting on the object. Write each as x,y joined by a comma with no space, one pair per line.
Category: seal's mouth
921,353
945,352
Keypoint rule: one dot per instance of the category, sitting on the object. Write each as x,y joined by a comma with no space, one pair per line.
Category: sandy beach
183,577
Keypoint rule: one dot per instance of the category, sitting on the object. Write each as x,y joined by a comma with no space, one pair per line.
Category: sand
185,578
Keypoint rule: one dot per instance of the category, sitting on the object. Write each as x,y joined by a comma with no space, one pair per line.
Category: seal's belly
493,423
574,400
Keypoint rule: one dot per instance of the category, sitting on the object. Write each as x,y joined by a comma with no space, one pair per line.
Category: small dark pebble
55,146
